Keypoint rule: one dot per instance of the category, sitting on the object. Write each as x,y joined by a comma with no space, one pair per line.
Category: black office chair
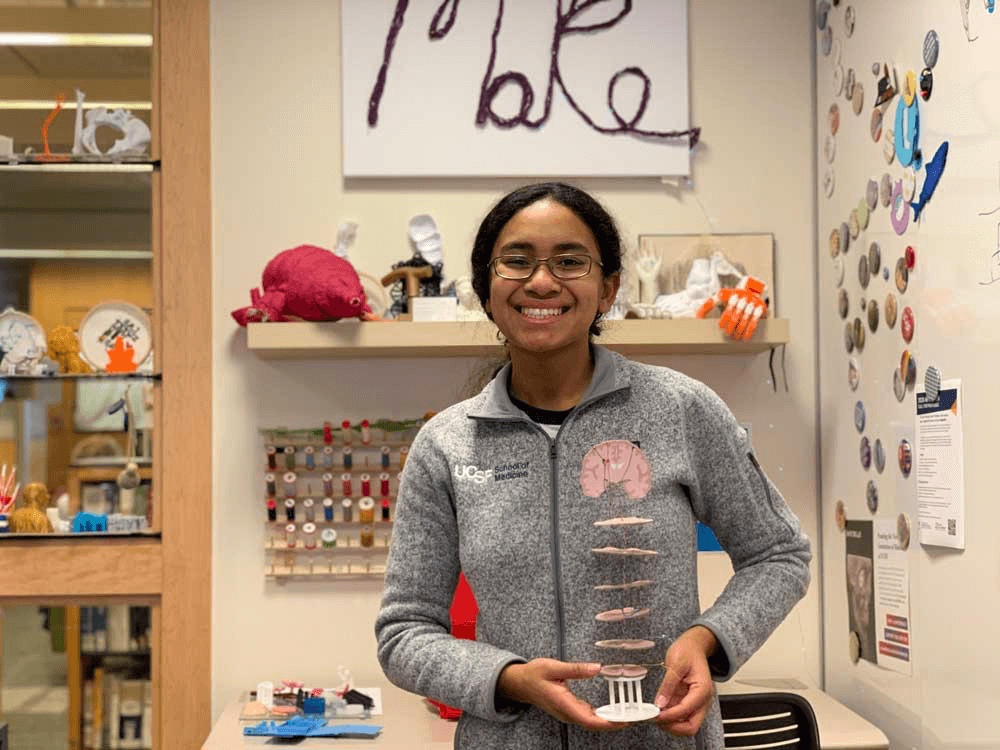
768,720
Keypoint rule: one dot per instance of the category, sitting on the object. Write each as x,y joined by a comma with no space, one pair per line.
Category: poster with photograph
892,594
860,590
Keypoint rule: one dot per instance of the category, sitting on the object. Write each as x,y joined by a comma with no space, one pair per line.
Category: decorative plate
107,321
22,340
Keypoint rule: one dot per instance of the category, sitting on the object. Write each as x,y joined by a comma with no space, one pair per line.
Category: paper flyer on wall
892,594
940,467
878,593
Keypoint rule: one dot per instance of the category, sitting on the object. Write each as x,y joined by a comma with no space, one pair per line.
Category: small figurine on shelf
64,348
31,518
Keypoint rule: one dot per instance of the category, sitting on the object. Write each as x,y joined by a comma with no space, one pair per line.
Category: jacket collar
610,375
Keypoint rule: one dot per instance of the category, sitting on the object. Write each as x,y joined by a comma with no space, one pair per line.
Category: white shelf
354,338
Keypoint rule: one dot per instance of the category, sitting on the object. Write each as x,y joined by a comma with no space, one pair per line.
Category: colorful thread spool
383,479
347,506
367,537
345,431
348,456
310,454
403,452
289,456
366,484
272,488
309,509
366,433
345,484
327,508
272,457
328,538
272,510
290,509
385,509
327,433
366,510
290,535
328,484
309,535
385,457
326,457
288,482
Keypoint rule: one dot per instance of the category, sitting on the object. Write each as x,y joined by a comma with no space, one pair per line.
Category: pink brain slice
627,644
623,670
622,614
615,462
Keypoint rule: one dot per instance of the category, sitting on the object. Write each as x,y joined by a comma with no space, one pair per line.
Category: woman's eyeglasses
520,267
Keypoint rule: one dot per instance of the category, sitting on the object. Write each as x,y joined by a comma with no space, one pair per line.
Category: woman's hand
686,691
542,683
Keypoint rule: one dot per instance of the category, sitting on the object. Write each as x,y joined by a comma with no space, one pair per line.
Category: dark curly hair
590,212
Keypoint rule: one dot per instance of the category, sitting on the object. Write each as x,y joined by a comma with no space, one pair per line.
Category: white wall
276,183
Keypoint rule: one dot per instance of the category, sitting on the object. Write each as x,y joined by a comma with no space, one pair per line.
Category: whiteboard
951,698
514,88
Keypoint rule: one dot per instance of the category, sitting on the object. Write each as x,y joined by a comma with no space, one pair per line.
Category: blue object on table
89,522
314,706
300,726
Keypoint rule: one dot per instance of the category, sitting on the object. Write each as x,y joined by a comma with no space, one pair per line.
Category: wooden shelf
354,338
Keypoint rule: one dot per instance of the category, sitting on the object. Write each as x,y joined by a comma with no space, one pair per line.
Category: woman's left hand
685,694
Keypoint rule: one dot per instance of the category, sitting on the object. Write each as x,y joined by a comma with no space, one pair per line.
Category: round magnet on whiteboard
871,496
849,80
842,303
904,364
849,336
826,40
874,258
833,118
871,195
854,647
890,310
899,209
903,531
859,334
898,387
829,148
864,305
910,376
906,324
909,184
863,271
909,87
926,84
866,453
845,237
859,416
822,15
879,455
889,146
932,382
876,124
885,189
905,457
854,224
910,255
840,514
853,373
863,213
835,242
838,270
829,181
931,48
849,20
858,98
885,273
838,79
902,275
873,315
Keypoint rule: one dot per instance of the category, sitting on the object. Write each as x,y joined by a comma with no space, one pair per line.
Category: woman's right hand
542,683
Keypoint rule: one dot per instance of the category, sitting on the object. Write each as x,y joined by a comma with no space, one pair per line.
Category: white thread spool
309,509
288,483
309,535
290,535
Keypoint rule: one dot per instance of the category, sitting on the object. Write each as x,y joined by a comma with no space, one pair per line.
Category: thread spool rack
330,497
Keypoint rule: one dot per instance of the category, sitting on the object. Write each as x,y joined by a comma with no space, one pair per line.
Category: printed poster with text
940,467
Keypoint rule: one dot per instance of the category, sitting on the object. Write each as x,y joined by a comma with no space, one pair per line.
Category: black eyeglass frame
536,262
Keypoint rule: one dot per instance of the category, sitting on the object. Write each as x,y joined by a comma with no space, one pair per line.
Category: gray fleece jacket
486,491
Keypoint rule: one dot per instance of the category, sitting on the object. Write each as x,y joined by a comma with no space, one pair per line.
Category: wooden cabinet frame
173,573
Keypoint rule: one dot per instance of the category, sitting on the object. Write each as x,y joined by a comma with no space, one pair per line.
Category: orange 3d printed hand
744,307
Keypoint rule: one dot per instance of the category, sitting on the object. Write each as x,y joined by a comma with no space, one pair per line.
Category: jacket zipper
556,566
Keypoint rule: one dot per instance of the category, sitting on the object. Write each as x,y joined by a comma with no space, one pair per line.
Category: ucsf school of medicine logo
500,473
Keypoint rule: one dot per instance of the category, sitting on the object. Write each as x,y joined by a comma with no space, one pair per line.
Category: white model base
627,713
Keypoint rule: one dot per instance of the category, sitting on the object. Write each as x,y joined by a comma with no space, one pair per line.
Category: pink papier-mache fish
306,283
